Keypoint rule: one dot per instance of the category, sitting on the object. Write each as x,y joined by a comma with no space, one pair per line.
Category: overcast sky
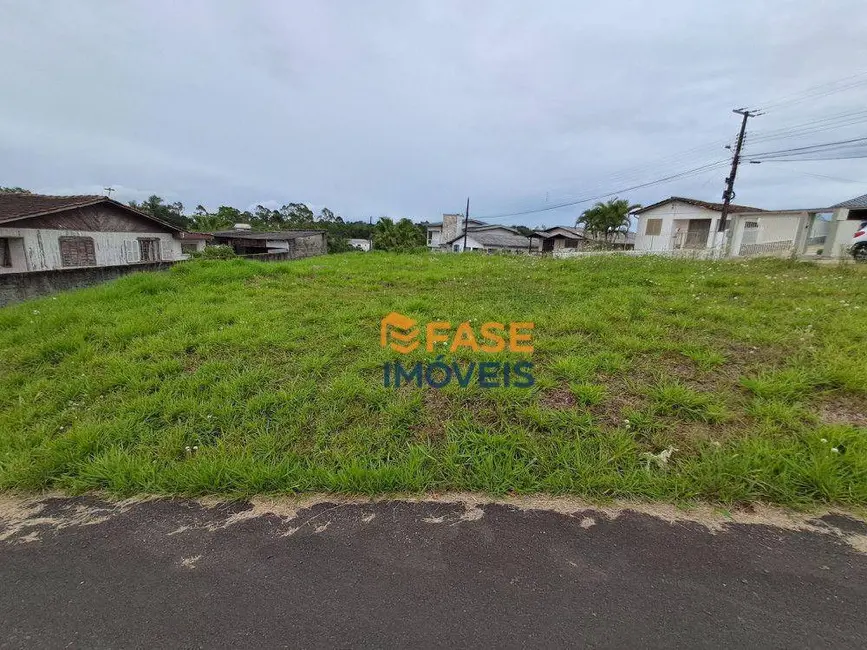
404,108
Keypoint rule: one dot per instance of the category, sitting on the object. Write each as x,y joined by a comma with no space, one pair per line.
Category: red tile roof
716,207
22,205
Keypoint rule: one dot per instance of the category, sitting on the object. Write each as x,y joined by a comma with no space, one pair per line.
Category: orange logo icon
399,332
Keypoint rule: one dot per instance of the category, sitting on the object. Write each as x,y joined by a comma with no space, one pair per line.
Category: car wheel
859,252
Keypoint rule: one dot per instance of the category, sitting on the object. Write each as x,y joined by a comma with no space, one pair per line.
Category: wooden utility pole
729,191
466,224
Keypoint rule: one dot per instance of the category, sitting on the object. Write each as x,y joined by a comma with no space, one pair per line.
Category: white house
680,223
448,235
493,239
450,227
44,233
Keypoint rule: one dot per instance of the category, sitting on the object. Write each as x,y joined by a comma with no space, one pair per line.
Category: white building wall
669,213
472,244
775,229
361,244
434,237
41,247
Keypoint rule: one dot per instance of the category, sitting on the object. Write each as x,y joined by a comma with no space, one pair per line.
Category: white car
859,243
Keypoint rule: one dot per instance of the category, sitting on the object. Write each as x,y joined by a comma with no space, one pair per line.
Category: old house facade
285,244
46,233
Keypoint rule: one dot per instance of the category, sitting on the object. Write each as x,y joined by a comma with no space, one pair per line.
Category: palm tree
607,219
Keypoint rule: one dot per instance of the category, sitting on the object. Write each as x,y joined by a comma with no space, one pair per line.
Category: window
750,224
5,255
188,248
149,250
653,227
77,251
456,248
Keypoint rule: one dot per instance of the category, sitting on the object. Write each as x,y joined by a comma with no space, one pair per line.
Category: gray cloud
405,108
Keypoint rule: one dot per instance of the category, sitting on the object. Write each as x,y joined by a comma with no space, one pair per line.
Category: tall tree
401,236
157,207
607,220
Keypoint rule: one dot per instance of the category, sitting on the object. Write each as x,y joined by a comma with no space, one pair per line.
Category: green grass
240,377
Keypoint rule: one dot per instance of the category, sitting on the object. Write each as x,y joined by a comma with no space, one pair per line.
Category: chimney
243,226
453,225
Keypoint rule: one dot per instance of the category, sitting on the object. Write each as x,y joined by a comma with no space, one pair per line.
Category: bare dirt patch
557,398
842,409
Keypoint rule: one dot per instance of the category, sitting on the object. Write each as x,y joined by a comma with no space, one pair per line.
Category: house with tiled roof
680,223
45,233
492,239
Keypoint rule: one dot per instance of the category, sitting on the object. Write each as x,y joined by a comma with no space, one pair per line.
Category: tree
266,219
401,236
157,207
607,220
209,222
297,215
14,190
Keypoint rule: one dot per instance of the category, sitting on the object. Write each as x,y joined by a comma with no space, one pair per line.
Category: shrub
219,252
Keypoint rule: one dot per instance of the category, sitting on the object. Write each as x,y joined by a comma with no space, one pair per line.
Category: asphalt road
80,573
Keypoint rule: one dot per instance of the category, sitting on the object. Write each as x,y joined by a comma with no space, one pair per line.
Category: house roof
857,202
281,235
19,205
493,227
570,232
499,237
716,207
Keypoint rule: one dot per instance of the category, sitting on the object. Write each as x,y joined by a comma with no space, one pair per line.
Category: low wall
269,257
15,287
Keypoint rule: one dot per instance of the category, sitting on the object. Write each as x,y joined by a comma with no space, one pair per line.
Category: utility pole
466,223
729,191
370,234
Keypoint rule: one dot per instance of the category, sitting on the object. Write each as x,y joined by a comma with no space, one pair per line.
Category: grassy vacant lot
240,377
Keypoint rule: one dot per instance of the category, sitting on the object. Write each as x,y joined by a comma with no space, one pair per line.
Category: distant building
46,233
450,227
448,235
560,237
492,239
288,244
360,244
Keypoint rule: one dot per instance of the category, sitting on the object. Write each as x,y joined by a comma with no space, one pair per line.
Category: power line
567,204
819,148
830,178
808,127
812,126
817,92
850,156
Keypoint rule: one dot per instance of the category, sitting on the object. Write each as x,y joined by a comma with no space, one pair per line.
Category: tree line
386,234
